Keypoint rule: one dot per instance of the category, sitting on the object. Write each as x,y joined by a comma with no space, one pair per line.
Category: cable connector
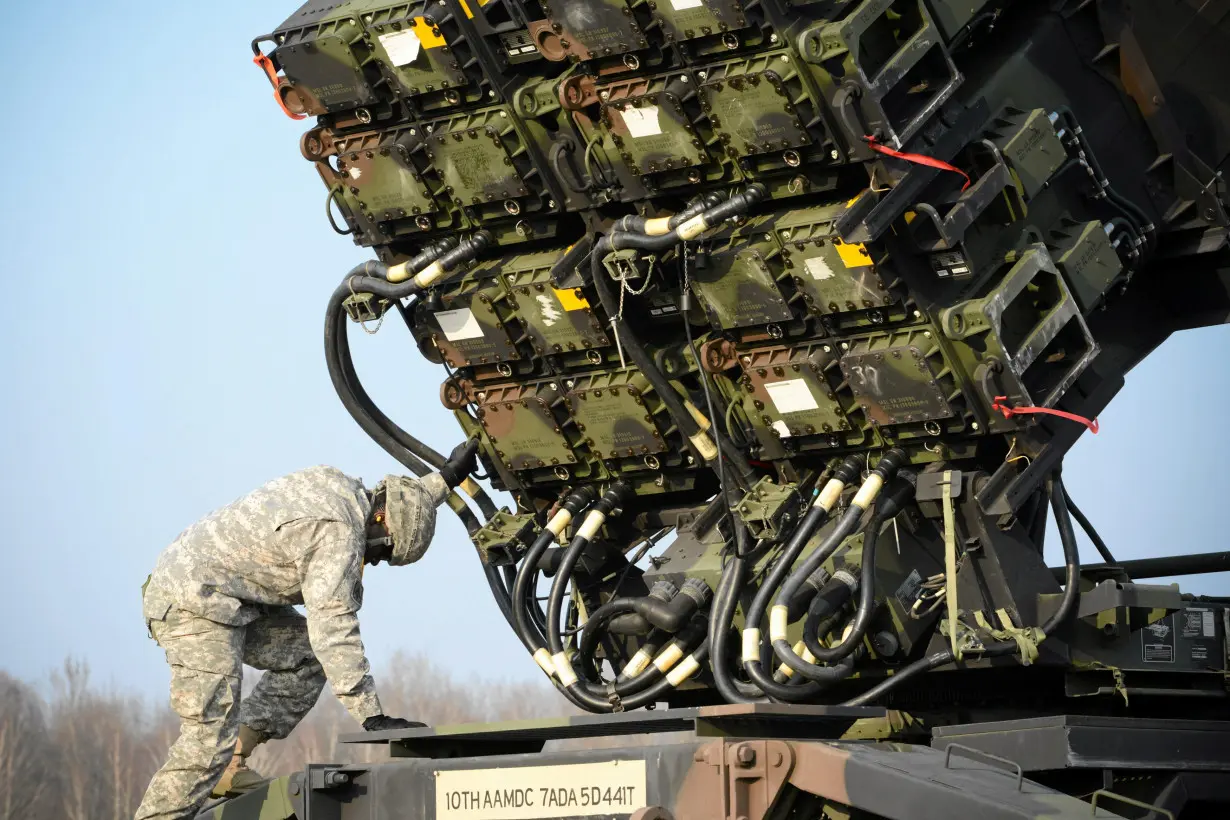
697,590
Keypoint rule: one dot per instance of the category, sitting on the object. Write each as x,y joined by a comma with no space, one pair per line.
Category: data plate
614,787
616,421
895,386
525,434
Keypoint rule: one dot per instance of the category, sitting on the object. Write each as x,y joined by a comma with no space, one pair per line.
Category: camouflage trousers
206,660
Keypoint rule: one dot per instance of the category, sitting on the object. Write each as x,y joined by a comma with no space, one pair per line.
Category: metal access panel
316,48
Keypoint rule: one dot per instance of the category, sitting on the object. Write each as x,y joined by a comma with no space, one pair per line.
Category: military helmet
410,515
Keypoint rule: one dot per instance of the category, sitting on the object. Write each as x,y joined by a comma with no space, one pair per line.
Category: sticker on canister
459,324
791,396
643,121
401,46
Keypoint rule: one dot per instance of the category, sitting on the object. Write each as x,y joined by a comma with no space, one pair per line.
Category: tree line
73,750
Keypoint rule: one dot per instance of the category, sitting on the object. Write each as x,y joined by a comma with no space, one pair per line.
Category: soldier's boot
237,777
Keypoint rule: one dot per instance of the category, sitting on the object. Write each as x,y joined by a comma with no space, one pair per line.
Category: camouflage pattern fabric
206,660
300,539
411,505
221,596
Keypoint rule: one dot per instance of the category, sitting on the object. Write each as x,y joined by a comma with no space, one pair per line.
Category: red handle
267,65
917,159
1009,412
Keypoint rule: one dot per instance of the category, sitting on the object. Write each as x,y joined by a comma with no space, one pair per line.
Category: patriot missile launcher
775,319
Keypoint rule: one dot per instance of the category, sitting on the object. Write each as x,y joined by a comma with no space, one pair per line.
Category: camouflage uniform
221,595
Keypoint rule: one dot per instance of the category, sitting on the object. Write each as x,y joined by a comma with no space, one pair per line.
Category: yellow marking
427,36
466,9
910,216
855,198
570,299
853,256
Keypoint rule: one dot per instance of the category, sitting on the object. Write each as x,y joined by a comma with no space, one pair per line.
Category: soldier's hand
461,462
382,723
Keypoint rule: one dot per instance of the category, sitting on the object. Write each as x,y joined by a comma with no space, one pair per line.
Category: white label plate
643,121
529,792
683,5
818,268
402,46
459,324
791,396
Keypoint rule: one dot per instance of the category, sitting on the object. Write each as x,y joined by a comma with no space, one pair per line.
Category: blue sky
160,349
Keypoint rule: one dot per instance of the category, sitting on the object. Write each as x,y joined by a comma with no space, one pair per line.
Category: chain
362,322
624,288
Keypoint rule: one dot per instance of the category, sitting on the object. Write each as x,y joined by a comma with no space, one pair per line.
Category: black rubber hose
368,278
652,645
534,615
862,615
651,695
884,470
636,224
720,628
594,703
824,608
888,506
1071,557
738,204
606,505
845,473
1089,529
632,345
667,615
384,431
1071,594
626,687
404,448
788,692
465,251
523,586
754,616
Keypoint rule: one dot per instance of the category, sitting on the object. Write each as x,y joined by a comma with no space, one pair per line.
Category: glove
382,723
461,462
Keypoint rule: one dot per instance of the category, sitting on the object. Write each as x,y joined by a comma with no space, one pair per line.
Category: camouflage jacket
300,539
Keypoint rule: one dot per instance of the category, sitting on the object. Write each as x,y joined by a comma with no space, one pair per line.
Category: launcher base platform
769,761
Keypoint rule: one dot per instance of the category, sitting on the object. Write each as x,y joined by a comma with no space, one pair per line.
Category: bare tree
25,754
411,686
87,753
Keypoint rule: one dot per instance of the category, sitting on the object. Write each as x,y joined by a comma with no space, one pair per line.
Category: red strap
1009,412
267,65
917,159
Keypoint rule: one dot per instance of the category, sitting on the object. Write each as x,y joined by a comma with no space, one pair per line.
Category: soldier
222,595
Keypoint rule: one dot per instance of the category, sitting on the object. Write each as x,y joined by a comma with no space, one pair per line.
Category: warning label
1158,641
1199,623
522,793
